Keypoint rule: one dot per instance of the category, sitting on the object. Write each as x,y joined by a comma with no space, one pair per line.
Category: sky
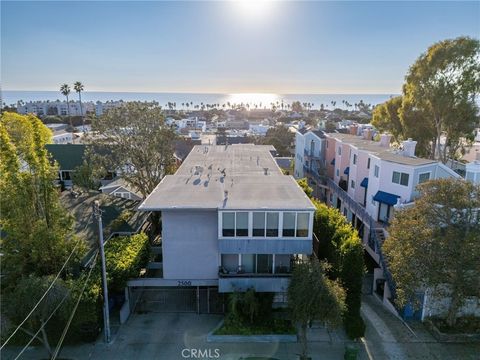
239,46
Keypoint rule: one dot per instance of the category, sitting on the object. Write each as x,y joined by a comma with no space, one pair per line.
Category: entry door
383,212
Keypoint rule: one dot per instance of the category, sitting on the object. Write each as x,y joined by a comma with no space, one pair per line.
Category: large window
241,224
354,159
272,224
302,224
228,224
288,224
400,178
368,163
376,170
259,224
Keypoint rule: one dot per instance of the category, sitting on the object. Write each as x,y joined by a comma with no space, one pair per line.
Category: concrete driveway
174,336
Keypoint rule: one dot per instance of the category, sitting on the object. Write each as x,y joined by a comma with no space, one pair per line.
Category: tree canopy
134,137
281,138
312,296
435,244
37,230
438,106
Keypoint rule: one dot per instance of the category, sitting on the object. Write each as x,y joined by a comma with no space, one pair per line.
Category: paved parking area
174,336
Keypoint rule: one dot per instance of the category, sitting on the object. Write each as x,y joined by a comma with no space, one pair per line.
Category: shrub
125,256
341,246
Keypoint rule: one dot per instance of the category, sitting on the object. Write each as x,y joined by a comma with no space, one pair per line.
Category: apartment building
42,108
367,181
231,219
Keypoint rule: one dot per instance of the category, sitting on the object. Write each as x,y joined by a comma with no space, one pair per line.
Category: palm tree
78,87
65,90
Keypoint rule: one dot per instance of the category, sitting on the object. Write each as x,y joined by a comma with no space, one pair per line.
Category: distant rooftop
243,176
384,153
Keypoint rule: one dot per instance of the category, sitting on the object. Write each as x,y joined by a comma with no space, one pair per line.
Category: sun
253,8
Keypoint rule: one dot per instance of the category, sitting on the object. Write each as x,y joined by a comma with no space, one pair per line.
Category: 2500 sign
184,283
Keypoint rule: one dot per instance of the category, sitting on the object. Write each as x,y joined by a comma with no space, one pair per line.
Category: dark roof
364,182
284,162
332,162
302,131
68,156
319,133
347,170
386,198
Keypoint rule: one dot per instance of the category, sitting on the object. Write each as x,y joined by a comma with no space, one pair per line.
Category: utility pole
106,313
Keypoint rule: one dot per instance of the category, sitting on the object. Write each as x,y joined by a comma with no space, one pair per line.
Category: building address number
184,283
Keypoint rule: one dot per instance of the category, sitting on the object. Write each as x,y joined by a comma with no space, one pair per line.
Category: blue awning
347,170
386,198
332,162
364,183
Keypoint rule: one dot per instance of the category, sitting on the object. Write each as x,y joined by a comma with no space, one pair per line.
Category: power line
46,292
57,349
41,327
56,308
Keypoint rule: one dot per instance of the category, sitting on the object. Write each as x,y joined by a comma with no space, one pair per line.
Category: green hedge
341,246
124,257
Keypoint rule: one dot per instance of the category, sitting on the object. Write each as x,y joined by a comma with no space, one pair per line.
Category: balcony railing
280,271
373,240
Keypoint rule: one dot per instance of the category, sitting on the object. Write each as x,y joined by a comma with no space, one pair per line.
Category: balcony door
264,263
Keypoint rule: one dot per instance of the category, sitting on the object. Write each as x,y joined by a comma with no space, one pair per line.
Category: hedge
124,257
341,246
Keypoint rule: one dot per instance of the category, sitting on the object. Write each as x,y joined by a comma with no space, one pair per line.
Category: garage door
192,299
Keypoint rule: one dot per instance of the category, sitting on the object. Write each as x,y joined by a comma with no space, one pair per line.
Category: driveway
174,336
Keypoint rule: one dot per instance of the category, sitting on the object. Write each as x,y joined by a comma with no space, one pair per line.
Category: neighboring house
120,188
68,158
232,220
367,181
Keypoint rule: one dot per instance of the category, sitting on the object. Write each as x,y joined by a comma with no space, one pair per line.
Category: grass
273,327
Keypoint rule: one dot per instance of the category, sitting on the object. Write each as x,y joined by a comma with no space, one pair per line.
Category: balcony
265,280
373,240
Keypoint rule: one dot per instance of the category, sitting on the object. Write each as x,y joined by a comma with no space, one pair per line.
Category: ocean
261,99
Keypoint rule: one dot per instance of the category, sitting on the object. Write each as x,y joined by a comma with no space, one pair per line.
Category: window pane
272,224
288,224
423,177
404,179
368,163
229,263
242,224
258,224
248,263
228,224
302,224
396,177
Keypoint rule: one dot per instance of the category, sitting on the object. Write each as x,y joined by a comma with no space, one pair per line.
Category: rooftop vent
409,147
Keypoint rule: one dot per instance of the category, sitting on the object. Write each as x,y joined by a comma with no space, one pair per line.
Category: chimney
353,129
367,134
385,140
409,147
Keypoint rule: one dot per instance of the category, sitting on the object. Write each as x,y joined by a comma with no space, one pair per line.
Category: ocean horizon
261,99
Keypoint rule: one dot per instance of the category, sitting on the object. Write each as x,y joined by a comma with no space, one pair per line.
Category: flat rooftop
240,176
384,153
